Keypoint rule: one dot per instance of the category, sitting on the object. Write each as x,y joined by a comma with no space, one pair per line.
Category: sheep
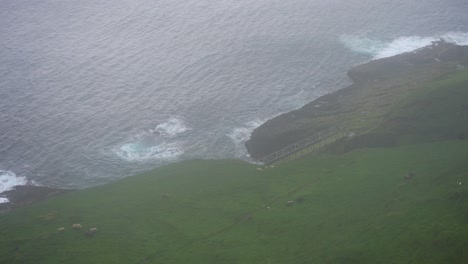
91,232
61,229
77,226
259,169
289,203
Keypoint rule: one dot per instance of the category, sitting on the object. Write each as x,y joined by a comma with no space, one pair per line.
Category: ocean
95,91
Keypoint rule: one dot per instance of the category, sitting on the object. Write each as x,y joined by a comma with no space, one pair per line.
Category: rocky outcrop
408,63
28,194
378,86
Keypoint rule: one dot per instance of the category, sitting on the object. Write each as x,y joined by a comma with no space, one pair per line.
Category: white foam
362,45
241,134
171,128
8,180
137,151
378,49
160,144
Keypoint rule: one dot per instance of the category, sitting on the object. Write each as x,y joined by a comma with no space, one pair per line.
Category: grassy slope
379,86
436,111
357,209
439,111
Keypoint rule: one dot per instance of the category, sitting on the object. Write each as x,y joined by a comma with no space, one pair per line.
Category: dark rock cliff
378,85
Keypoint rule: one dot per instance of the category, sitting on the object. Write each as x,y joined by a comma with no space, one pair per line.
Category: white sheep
77,226
91,232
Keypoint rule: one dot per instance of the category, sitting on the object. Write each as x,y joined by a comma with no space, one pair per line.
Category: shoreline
373,81
23,195
377,86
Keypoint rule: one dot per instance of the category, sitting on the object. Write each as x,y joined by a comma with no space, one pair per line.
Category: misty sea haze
94,91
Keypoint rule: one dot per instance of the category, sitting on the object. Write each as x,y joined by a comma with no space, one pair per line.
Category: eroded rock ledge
28,194
377,86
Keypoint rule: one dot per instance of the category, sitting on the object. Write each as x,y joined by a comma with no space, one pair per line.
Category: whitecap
241,134
138,151
362,45
8,180
378,49
160,144
171,128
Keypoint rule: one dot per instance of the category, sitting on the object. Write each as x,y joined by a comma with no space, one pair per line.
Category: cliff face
379,86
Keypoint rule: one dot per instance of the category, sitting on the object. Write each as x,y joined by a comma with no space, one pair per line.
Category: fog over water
93,91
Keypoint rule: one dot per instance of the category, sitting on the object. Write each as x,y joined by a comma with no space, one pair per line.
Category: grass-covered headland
352,208
397,194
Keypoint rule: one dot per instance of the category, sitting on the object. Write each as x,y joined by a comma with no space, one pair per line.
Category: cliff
378,86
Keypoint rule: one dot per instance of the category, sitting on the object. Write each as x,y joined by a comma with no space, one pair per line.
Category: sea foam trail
378,49
172,127
8,180
241,134
160,143
136,151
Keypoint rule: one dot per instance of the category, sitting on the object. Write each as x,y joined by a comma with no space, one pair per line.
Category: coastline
378,86
23,195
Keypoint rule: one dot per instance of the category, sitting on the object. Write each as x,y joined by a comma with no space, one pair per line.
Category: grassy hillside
356,208
353,207
436,111
380,86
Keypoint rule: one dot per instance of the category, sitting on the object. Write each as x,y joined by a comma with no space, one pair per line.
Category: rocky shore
26,195
378,86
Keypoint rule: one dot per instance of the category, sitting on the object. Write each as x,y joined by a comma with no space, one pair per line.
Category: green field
353,207
356,208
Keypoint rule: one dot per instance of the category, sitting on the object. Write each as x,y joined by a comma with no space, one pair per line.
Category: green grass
435,112
439,111
357,209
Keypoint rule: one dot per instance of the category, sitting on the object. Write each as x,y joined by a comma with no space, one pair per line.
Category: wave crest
160,144
171,128
137,151
8,180
241,134
378,49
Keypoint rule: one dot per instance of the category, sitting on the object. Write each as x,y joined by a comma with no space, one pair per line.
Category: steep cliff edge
379,86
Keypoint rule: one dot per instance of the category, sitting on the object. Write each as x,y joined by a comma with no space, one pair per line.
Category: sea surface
92,91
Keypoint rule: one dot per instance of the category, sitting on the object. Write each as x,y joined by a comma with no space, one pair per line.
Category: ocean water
94,91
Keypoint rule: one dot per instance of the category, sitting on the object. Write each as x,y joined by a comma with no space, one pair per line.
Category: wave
8,180
159,144
241,134
171,128
138,151
378,49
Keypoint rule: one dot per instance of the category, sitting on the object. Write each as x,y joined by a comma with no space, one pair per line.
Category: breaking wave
8,180
137,151
160,143
378,49
171,128
241,134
